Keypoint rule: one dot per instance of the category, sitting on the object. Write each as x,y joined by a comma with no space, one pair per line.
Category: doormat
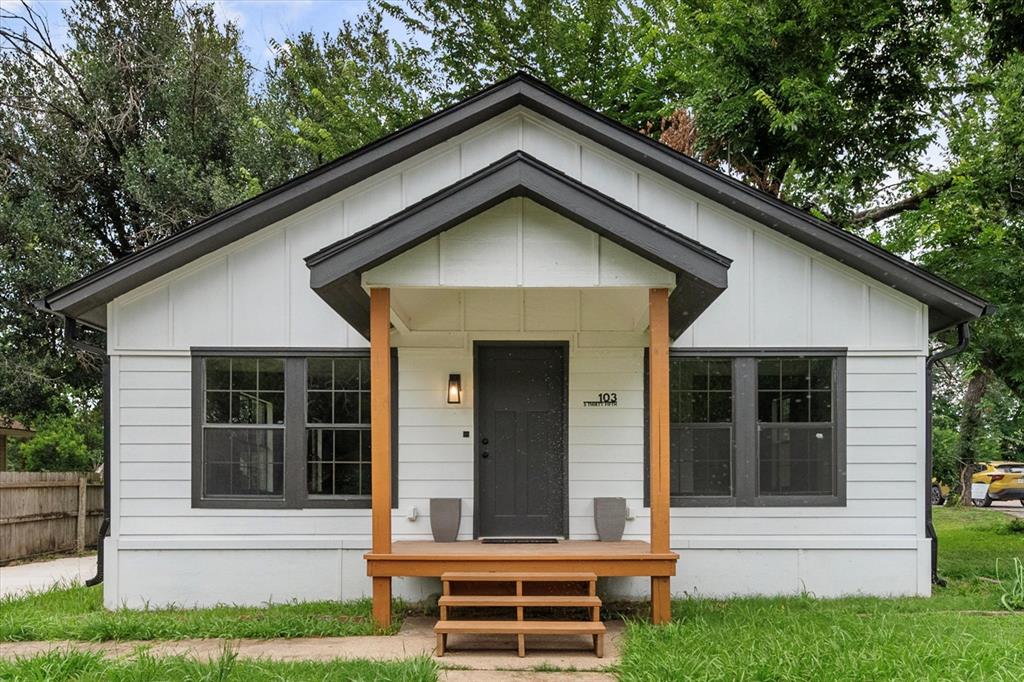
519,541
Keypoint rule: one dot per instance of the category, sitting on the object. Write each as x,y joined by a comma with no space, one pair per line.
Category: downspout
963,331
71,336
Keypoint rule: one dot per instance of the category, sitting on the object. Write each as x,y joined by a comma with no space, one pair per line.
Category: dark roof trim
335,271
948,303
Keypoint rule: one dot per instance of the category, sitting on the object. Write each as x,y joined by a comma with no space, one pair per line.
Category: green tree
602,52
329,95
139,126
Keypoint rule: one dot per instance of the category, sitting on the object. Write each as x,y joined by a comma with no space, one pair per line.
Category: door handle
485,454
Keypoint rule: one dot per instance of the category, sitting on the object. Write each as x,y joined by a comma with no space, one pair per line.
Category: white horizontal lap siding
435,459
606,444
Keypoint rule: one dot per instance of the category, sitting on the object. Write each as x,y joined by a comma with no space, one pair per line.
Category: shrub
63,442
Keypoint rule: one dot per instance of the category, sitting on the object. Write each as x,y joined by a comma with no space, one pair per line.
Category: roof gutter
963,339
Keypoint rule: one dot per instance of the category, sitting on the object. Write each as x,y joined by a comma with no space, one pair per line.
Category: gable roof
335,271
85,298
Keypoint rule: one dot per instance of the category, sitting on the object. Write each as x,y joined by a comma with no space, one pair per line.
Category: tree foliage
138,127
332,94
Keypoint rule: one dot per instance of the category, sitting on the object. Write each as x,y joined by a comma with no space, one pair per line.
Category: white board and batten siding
256,292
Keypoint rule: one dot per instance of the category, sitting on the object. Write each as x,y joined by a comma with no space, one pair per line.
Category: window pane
271,376
335,459
318,373
346,407
701,461
821,373
218,373
318,407
719,407
273,404
700,391
244,373
794,374
346,448
793,407
720,375
768,374
821,406
693,375
795,461
218,407
243,462
346,374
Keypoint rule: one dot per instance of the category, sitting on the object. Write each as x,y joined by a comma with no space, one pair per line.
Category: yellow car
993,481
940,492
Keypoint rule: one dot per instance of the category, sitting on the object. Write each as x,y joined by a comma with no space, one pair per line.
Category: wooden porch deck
426,558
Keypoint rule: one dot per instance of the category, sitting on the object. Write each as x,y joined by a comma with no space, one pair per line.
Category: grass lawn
87,667
962,632
78,613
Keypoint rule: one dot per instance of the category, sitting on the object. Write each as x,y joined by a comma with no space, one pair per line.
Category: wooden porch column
659,444
380,443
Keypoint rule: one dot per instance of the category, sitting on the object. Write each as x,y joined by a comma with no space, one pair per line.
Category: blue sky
260,20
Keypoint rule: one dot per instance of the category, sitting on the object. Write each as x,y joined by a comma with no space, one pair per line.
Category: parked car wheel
937,499
987,502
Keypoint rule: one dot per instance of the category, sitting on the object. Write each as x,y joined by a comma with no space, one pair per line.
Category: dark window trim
295,495
745,444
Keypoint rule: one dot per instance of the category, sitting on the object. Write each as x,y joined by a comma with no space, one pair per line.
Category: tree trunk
970,430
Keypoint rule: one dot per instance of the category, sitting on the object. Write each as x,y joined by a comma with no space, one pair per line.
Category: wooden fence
44,512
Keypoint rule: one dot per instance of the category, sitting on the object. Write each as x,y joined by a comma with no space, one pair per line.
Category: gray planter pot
610,518
445,516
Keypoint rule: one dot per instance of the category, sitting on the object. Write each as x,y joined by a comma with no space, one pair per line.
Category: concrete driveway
1009,508
41,575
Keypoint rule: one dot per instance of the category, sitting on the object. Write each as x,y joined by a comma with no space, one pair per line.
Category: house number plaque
603,400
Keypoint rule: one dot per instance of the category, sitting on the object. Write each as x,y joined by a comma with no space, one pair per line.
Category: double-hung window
757,428
285,429
338,426
243,428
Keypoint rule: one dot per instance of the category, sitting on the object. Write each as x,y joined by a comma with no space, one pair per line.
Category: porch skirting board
137,577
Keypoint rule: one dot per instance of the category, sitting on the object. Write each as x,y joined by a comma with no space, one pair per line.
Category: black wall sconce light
454,389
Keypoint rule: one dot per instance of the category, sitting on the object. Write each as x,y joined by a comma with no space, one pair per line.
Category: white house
611,318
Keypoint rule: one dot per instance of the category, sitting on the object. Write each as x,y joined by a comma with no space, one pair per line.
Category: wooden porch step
532,576
552,583
520,627
530,600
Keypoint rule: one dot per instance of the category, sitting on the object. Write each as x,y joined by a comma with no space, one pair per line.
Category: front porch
389,559
519,254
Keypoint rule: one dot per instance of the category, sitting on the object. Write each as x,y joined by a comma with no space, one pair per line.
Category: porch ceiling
336,271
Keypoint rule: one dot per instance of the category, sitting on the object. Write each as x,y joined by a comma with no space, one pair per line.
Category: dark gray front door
521,439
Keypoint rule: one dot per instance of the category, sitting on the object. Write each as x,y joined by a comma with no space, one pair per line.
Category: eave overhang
336,270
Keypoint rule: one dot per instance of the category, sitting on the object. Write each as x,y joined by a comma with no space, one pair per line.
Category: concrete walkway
42,575
482,658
